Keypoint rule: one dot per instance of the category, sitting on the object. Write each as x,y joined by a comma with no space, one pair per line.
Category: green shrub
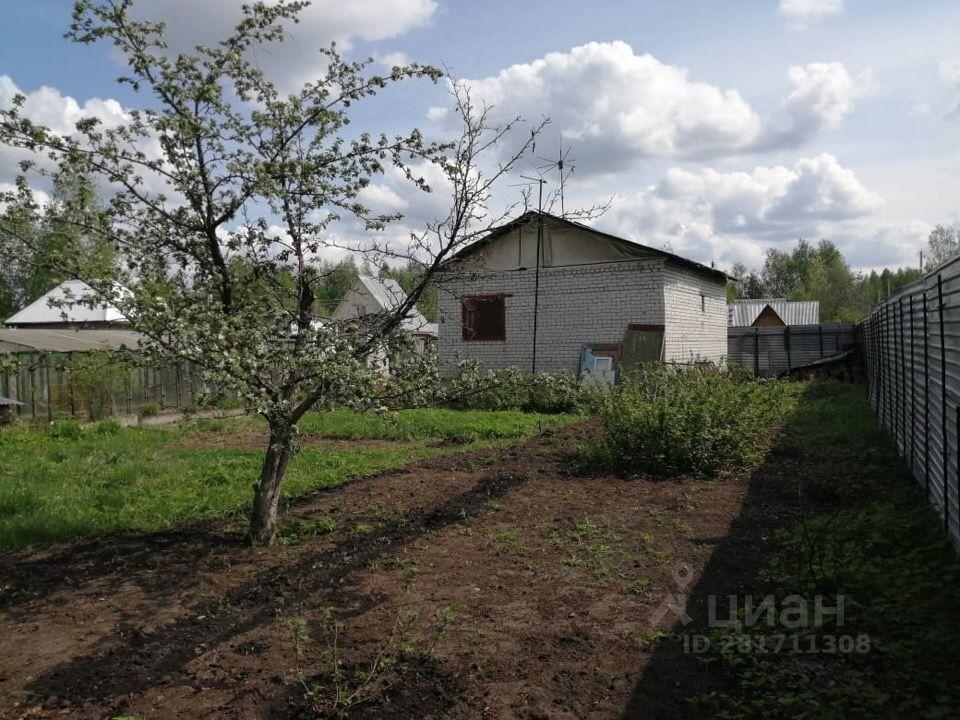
147,410
66,429
513,389
672,420
96,377
107,427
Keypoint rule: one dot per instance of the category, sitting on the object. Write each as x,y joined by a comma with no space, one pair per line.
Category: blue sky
719,128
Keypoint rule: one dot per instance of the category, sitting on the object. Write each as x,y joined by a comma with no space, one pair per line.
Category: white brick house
591,295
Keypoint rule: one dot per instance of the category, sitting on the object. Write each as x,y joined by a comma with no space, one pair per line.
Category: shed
773,312
370,295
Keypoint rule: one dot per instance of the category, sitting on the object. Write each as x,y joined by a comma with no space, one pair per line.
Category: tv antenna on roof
563,164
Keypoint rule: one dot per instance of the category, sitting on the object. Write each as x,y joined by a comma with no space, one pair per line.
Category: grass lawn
64,482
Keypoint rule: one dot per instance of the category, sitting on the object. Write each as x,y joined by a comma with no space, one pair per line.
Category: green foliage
875,540
97,377
65,429
513,389
447,424
818,272
61,481
673,420
148,410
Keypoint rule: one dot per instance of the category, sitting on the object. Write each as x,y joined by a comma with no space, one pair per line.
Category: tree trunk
266,500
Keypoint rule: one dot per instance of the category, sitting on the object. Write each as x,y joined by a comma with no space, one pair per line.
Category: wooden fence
50,384
912,349
770,351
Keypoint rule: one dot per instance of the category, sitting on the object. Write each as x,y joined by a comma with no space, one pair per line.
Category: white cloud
803,13
394,59
615,106
735,216
198,22
950,74
820,96
49,107
921,109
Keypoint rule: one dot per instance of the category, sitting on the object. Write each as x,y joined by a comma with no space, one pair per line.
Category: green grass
864,530
432,423
66,482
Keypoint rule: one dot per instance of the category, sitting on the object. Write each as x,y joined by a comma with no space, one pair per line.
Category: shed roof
388,294
624,242
743,313
26,340
64,304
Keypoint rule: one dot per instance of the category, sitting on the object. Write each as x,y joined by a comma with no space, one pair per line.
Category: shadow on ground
672,675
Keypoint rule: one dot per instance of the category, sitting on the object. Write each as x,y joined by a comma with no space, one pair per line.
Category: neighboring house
774,312
64,307
580,300
372,296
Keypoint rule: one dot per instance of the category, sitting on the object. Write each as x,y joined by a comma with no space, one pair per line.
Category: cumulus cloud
820,96
734,216
616,106
950,74
803,13
51,108
203,22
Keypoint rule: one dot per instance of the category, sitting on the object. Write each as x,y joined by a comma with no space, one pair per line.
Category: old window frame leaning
495,319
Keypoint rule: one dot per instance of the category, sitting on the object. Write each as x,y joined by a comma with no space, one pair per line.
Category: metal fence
769,351
49,385
912,350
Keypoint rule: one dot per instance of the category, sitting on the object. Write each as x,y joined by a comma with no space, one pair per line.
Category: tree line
820,272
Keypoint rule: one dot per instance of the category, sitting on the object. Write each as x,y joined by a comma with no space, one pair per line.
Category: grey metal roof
743,313
26,340
65,304
389,295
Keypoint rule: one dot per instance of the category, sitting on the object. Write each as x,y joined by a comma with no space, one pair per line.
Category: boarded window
484,318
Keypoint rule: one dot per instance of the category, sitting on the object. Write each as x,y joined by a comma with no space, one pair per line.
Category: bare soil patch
527,592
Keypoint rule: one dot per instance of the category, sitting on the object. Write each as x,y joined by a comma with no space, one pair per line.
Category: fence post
926,400
943,409
913,392
903,384
820,336
48,388
786,342
756,352
886,365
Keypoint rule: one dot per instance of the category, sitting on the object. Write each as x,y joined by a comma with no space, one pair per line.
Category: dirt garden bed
489,584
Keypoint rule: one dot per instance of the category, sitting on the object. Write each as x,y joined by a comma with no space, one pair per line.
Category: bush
513,389
147,410
66,429
107,427
672,420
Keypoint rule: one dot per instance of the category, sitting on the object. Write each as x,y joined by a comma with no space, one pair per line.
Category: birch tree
221,196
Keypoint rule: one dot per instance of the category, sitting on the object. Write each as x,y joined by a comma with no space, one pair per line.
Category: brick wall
696,316
585,304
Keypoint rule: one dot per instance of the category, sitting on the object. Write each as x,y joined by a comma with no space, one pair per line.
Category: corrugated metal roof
66,307
24,340
389,295
743,313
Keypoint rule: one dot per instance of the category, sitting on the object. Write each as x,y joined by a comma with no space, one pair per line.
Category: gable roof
71,292
532,215
388,296
743,313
